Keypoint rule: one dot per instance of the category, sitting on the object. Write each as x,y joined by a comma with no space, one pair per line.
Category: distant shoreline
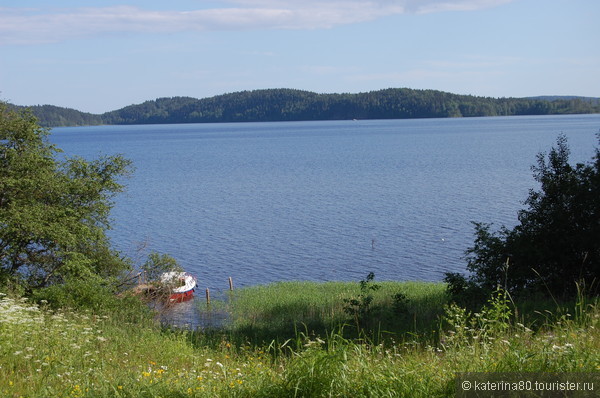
273,105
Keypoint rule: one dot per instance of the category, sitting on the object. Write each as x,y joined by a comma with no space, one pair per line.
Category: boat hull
181,297
185,290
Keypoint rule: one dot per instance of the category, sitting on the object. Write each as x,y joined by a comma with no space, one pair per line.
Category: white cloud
26,25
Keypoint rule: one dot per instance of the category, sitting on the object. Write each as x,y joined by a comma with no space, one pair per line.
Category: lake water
264,202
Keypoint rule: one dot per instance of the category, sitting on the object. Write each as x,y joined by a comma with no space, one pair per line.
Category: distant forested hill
295,105
52,116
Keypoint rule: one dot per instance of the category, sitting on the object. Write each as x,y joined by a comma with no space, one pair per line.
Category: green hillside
297,105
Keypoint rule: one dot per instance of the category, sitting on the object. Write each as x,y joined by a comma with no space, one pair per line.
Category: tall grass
46,353
281,310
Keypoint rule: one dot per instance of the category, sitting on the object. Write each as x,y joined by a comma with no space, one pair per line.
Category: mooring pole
230,283
207,296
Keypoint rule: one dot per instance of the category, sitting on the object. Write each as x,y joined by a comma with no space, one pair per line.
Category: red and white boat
182,285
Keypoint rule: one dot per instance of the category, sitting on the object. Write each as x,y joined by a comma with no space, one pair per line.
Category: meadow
293,339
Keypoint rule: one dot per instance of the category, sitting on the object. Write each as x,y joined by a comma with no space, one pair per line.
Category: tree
53,214
557,241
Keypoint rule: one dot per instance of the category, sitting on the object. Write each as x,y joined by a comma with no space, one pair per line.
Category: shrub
92,295
556,243
359,308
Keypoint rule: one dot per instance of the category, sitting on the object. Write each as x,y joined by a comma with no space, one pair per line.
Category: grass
281,310
45,353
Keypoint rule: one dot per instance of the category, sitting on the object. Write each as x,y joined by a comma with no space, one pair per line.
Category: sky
101,55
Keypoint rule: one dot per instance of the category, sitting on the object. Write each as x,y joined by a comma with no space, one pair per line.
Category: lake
321,201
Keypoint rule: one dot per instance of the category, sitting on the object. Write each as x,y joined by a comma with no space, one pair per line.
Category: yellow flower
146,374
120,387
76,391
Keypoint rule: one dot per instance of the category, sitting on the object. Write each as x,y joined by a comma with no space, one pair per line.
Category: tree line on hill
297,105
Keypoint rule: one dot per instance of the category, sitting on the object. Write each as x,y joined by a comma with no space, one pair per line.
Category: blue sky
98,56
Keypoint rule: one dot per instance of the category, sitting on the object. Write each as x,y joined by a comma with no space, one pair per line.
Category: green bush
556,243
91,295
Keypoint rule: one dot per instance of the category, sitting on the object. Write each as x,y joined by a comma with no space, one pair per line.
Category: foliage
359,308
96,296
157,264
288,105
554,245
53,214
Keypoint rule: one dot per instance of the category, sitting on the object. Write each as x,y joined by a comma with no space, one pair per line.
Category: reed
279,310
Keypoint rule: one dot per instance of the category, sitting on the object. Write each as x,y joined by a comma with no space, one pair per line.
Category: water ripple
265,202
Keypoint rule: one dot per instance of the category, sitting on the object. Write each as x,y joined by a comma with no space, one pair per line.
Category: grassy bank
261,353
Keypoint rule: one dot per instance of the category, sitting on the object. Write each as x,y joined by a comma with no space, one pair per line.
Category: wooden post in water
207,296
230,284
